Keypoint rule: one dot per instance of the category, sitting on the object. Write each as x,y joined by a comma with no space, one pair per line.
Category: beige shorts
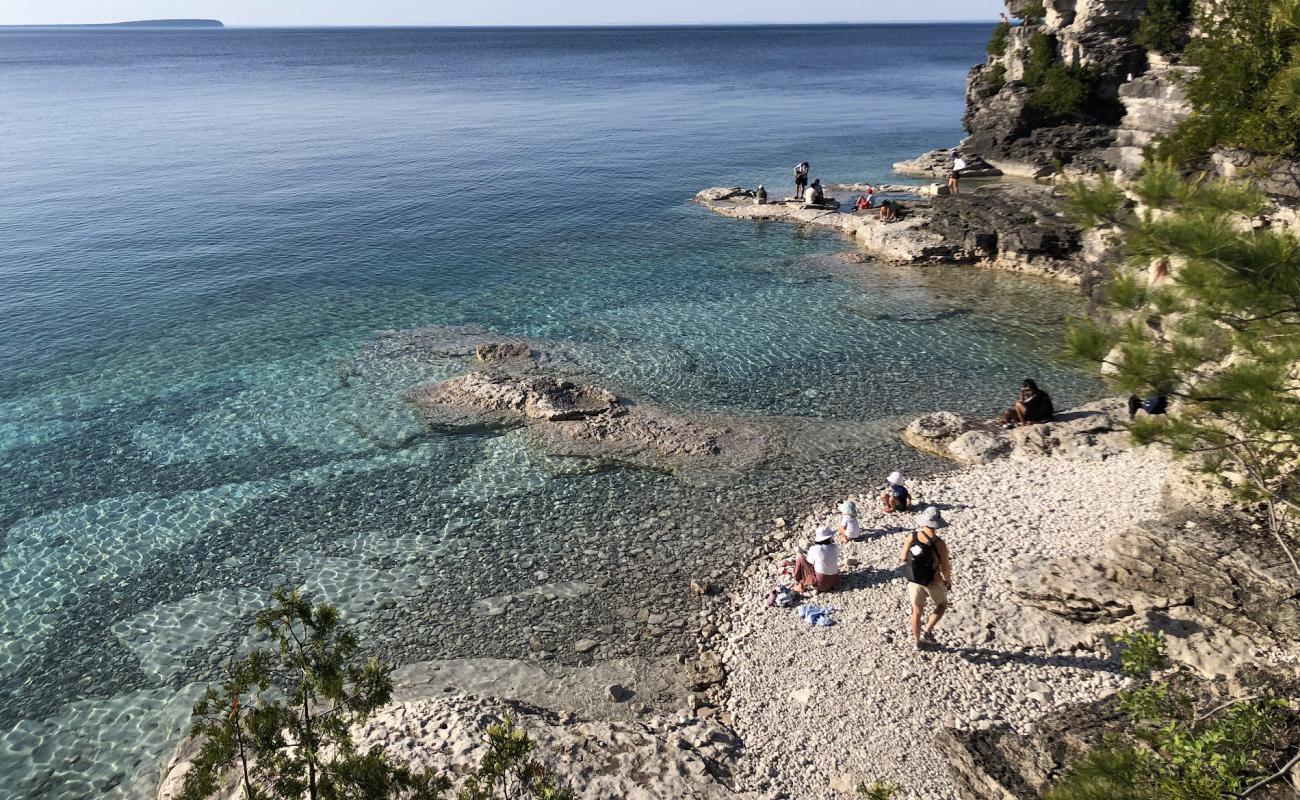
935,591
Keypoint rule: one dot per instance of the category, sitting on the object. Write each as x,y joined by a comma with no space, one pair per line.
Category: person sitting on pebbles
850,527
819,568
929,573
894,495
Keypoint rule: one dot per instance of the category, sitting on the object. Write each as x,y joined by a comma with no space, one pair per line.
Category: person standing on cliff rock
929,573
958,164
801,179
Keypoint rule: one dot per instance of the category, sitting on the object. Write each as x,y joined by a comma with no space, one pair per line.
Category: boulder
1228,568
932,433
938,164
497,352
1079,590
720,193
978,447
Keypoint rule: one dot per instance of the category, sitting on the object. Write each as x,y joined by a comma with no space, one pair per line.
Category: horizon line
124,25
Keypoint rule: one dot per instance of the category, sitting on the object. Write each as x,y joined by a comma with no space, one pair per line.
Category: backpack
922,566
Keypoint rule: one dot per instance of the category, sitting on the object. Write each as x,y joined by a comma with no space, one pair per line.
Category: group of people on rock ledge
924,558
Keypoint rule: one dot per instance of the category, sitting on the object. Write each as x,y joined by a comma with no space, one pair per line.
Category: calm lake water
199,227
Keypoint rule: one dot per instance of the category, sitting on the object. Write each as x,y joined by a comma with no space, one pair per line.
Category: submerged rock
565,418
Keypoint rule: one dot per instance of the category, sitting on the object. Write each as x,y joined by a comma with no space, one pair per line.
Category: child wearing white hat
894,496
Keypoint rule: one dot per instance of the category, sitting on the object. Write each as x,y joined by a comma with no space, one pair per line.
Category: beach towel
817,615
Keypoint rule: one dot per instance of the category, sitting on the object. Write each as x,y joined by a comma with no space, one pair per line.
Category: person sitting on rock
850,527
760,196
929,573
1158,404
1033,406
888,211
865,201
819,568
894,496
814,196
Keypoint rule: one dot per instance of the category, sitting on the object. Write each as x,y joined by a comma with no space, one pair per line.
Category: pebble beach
822,709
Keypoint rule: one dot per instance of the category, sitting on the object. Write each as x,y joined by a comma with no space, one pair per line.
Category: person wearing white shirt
820,568
958,164
850,526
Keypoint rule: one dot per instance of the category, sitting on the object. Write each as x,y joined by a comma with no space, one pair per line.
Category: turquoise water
200,228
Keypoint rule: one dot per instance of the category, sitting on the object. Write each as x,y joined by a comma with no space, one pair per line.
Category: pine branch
1266,781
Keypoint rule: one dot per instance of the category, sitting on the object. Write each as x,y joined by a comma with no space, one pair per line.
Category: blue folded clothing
817,615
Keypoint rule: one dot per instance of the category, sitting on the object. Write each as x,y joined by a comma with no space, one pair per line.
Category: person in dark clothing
801,179
929,573
1152,405
1034,405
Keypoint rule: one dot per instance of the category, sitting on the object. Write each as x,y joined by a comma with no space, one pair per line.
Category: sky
493,12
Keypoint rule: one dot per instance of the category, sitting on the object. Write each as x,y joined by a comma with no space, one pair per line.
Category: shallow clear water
201,227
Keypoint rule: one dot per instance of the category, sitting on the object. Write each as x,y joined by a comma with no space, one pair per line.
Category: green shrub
877,790
1034,11
998,41
995,77
1246,93
1143,654
1177,746
1164,26
1061,93
281,723
1126,291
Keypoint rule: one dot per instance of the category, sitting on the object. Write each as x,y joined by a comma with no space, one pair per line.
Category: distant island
142,23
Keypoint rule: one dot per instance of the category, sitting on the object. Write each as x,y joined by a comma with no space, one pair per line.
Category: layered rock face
1001,764
1091,34
1155,104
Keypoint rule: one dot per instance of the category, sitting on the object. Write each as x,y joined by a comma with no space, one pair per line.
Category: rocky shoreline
1015,226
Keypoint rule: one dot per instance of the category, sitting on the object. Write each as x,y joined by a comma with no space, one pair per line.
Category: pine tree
283,718
1207,312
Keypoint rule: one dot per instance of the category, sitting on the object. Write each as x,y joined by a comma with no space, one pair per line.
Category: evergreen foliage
1175,749
1247,92
1164,25
998,41
281,720
508,771
1219,334
995,77
1033,11
1061,93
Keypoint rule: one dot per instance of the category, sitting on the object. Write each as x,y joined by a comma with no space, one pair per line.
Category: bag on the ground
922,561
782,597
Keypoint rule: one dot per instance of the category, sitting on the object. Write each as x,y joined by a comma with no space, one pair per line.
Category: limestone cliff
1133,94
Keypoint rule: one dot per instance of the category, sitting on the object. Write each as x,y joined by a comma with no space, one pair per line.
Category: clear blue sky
493,12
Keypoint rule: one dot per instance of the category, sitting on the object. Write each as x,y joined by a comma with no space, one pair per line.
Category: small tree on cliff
1216,326
283,719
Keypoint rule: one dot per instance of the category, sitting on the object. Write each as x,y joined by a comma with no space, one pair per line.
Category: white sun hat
823,534
895,477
